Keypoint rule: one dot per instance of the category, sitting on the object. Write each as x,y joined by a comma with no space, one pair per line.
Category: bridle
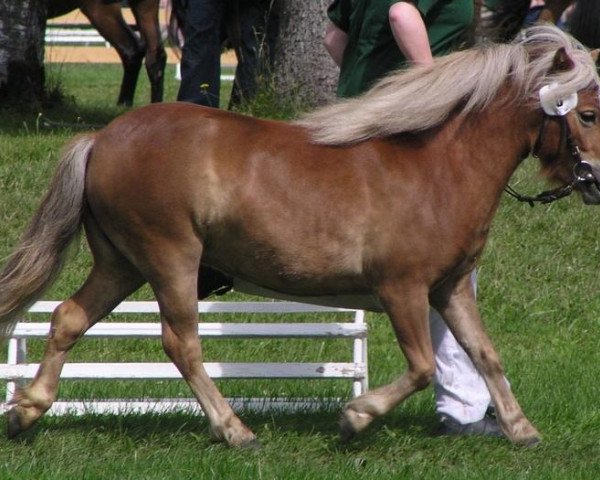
557,108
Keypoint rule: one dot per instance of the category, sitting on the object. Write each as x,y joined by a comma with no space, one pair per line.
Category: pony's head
547,71
563,81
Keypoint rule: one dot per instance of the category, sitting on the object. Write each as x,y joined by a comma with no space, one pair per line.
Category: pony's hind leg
175,286
407,307
110,281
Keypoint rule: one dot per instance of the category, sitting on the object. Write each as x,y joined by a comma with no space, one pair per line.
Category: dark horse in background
106,17
244,37
510,16
585,22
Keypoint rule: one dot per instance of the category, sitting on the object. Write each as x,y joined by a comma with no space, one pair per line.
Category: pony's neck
482,151
499,138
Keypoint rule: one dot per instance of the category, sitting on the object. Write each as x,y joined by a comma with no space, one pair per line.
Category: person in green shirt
372,30
368,39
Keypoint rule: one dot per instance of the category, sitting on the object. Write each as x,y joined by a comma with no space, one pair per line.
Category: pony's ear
595,55
562,62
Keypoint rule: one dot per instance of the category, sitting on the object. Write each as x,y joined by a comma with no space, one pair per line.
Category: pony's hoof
347,431
13,424
253,445
353,422
531,442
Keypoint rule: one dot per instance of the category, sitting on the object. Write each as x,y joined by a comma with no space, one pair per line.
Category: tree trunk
22,26
302,66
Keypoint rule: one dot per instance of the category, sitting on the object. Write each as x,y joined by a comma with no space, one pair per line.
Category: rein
582,170
547,196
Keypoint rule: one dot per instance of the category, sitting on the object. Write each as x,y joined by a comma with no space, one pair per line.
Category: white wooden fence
86,35
73,34
17,369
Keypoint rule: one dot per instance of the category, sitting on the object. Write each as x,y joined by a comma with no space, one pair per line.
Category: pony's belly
357,301
296,274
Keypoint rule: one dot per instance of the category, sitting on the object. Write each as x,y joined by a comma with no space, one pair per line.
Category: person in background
253,37
248,25
535,9
368,39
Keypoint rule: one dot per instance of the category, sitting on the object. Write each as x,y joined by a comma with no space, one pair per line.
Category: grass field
537,291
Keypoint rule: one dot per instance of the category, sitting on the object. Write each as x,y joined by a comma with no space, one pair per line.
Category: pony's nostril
584,172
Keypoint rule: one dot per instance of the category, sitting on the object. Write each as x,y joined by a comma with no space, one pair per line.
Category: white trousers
460,391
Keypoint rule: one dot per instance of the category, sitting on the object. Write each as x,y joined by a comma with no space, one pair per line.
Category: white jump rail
84,34
16,370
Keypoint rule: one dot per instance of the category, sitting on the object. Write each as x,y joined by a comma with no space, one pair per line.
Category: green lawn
537,291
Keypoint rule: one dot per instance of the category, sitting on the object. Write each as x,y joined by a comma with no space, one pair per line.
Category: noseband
582,170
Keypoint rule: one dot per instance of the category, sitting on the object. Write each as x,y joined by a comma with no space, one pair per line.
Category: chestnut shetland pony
108,20
382,200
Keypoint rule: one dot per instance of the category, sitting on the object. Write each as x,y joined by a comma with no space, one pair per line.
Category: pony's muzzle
586,180
584,172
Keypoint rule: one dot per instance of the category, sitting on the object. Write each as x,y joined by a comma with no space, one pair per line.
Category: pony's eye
587,117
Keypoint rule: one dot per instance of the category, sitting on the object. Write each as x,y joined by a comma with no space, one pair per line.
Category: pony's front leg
456,303
408,308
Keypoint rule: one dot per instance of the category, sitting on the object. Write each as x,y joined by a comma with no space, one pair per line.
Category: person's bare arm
410,33
335,42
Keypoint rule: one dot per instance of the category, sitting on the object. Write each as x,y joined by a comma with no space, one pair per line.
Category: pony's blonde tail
41,253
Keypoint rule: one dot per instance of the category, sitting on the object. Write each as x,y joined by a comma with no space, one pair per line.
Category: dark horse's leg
109,21
111,280
146,17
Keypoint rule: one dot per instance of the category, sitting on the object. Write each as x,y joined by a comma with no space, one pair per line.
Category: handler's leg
457,306
462,397
201,53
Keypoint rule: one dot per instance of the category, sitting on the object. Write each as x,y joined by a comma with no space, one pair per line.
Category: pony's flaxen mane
418,99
